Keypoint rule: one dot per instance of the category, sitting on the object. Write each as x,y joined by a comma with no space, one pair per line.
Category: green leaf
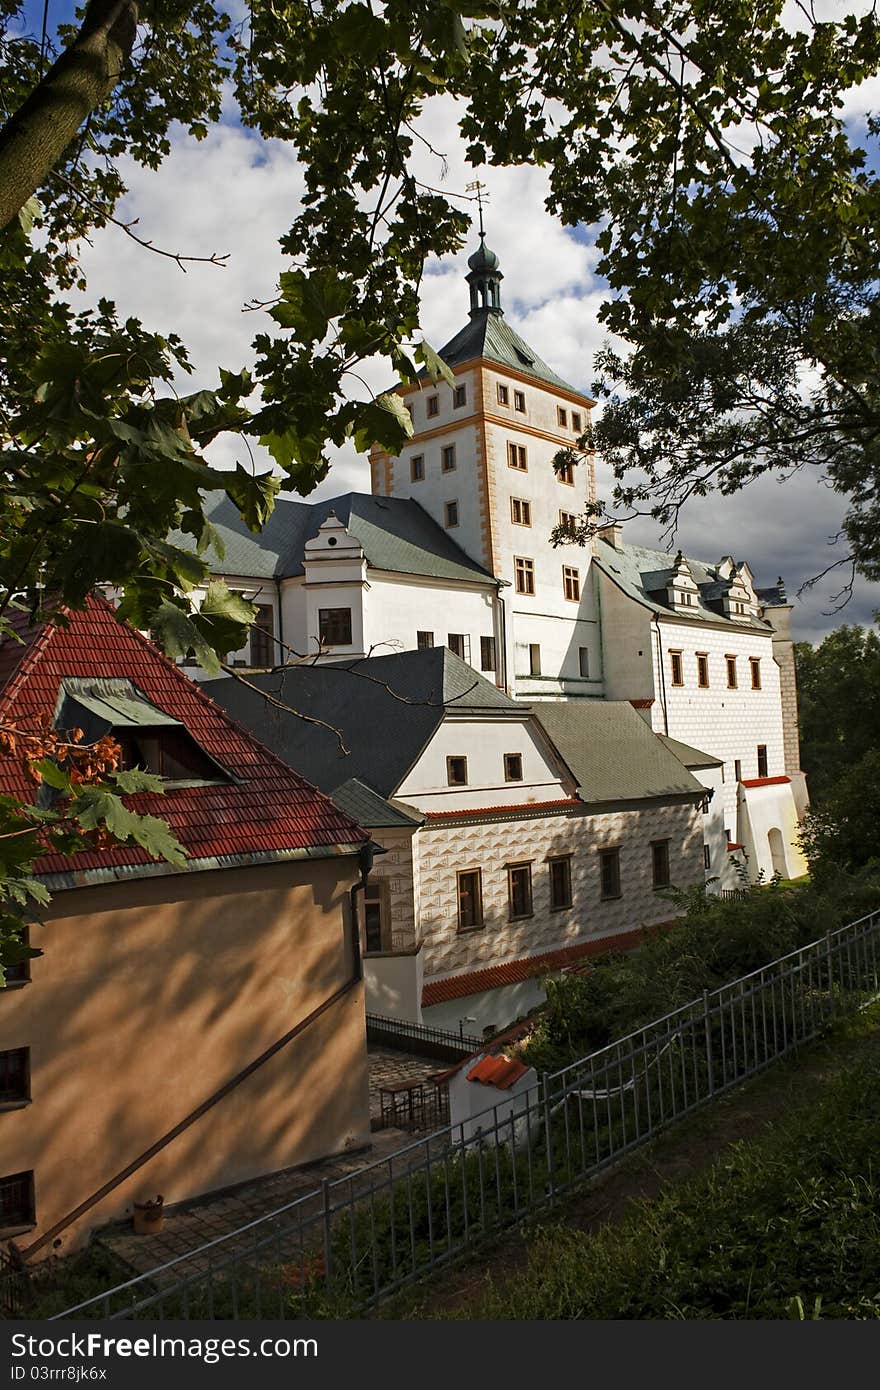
253,495
178,635
96,806
436,368
53,775
384,421
132,780
28,214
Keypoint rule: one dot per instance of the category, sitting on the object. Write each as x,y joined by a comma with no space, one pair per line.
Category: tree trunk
35,138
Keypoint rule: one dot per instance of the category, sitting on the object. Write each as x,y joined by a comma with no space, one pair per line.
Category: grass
784,1225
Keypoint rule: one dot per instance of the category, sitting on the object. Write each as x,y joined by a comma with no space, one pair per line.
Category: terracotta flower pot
148,1217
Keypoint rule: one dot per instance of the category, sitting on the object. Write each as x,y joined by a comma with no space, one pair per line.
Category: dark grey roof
365,806
691,757
612,752
396,533
386,709
643,574
489,335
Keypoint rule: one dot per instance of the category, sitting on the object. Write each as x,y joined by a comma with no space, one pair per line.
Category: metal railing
420,1037
359,1238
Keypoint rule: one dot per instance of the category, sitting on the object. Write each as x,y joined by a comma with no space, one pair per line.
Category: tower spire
485,274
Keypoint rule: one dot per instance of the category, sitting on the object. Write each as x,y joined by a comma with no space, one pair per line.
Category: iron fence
357,1239
420,1037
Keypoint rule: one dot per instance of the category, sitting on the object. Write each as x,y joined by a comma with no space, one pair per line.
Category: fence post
828,953
548,1136
328,1244
710,1061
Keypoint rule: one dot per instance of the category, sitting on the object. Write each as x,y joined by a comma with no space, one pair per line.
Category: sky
234,194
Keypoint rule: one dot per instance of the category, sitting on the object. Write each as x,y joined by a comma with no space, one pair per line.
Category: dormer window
334,627
169,753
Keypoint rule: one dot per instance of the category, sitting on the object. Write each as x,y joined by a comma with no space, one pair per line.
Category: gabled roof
264,811
365,806
643,574
396,533
489,335
691,757
386,709
613,753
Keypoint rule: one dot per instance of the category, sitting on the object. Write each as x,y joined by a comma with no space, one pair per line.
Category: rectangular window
15,1076
520,511
424,640
523,575
702,670
376,917
730,662
584,661
707,857
459,396
576,421
660,863
677,668
513,767
560,883
470,899
755,668
456,772
519,888
417,468
433,406
571,583
487,654
17,1200
762,760
447,458
334,627
568,520
516,457
503,394
609,867
20,973
534,659
565,473
460,644
737,770
519,401
263,636
451,514
561,418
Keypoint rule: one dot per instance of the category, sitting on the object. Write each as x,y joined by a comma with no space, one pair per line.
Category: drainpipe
662,674
502,636
366,854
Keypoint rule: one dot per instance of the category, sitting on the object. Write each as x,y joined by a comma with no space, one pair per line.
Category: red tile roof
515,971
641,704
268,810
505,810
501,1072
765,781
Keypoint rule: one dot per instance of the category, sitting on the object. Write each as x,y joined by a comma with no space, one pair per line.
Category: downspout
662,674
502,636
366,855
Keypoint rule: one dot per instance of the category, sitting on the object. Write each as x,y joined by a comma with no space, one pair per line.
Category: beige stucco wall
149,997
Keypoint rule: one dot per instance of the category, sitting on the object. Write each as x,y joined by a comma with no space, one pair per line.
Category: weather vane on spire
481,192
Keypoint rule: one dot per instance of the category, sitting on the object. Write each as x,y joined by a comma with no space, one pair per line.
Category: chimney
612,533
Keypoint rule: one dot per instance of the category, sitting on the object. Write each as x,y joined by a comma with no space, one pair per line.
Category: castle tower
480,462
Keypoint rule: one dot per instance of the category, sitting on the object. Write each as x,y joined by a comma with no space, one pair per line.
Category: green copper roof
489,335
397,534
643,574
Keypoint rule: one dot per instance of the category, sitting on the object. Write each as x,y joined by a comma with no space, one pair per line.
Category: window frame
525,510
562,417
479,917
584,661
18,975
571,583
456,758
519,402
462,647
324,613
432,407
417,475
521,867
488,645
763,760
702,670
447,453
552,861
610,854
730,665
577,422
755,672
21,1096
261,638
459,395
502,394
382,888
450,513
29,1213
656,883
517,457
565,473
508,761
424,646
534,660
524,575
676,665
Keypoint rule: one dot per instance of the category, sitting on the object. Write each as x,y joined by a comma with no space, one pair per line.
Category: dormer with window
150,739
682,593
740,600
